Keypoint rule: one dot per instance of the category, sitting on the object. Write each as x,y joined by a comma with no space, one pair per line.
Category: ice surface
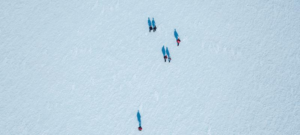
87,67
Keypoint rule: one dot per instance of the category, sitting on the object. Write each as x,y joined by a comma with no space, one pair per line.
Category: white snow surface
86,67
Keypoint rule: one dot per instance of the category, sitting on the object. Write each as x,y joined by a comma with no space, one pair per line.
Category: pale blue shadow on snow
139,118
175,34
149,22
163,50
153,22
168,53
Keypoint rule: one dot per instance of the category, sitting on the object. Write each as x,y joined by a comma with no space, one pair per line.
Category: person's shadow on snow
149,22
168,53
153,22
175,34
139,118
163,50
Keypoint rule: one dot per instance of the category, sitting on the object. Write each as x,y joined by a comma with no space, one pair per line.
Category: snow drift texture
87,67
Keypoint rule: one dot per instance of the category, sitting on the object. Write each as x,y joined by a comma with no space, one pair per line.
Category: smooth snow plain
87,67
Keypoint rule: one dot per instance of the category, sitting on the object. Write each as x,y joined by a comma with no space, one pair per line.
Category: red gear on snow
178,40
140,128
165,56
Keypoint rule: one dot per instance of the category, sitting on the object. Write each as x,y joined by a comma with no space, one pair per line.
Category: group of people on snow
169,58
153,27
150,28
166,57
